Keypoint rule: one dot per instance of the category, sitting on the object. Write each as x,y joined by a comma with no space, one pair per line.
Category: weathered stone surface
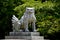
37,38
27,18
12,39
46,39
25,37
18,37
24,34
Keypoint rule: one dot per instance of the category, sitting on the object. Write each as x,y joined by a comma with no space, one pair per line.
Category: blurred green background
47,13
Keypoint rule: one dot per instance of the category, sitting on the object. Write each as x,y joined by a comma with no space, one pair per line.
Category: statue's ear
26,7
33,7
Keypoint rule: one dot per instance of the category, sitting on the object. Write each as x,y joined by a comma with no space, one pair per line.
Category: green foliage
6,12
42,15
47,14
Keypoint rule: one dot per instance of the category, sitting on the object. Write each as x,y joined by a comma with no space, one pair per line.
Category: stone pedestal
25,36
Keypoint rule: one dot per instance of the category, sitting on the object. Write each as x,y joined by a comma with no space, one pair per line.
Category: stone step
13,39
21,39
24,37
37,38
24,33
17,37
46,39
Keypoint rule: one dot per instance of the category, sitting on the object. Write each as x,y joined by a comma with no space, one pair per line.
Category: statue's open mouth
30,12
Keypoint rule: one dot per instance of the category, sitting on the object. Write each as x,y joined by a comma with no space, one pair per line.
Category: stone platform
25,35
12,39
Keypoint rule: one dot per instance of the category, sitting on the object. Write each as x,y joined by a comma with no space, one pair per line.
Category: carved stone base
25,35
12,39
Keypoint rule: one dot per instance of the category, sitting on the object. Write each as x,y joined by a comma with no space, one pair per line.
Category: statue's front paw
21,30
34,30
14,31
26,30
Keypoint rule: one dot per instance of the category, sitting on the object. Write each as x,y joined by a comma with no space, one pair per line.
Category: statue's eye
27,9
31,9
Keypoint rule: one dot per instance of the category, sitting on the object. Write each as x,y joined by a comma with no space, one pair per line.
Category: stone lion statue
26,19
